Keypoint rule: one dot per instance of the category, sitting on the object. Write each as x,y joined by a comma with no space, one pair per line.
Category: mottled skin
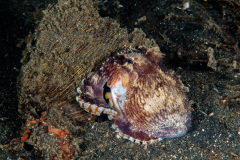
148,102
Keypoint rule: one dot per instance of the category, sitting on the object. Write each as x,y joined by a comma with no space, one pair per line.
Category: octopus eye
130,61
106,92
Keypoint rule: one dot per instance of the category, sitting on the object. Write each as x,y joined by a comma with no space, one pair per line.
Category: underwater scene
116,79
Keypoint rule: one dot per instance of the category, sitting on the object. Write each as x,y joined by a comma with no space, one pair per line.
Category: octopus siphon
147,101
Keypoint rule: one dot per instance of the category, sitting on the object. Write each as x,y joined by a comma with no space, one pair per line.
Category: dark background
17,19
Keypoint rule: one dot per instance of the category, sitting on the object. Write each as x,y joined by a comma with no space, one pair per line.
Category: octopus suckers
147,101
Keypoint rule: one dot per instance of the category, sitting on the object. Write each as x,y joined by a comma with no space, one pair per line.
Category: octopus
147,101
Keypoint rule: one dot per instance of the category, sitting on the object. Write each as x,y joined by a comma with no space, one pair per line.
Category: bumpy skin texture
147,102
